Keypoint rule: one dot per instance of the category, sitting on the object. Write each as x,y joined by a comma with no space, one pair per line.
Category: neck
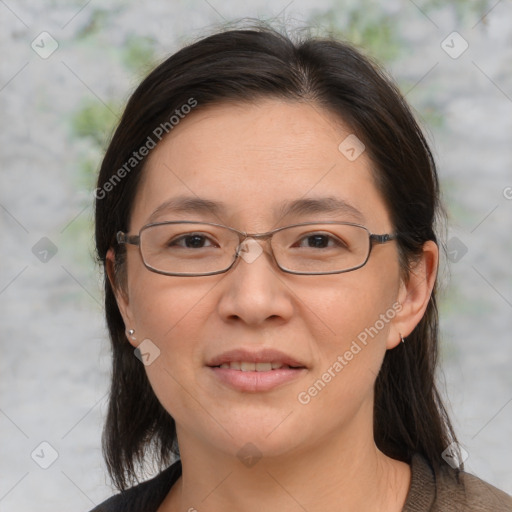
338,473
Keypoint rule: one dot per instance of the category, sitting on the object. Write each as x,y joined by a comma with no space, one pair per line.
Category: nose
254,291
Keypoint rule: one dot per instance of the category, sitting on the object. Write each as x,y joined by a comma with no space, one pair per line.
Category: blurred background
67,68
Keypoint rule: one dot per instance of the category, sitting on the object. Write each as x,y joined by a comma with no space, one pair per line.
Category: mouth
254,372
248,366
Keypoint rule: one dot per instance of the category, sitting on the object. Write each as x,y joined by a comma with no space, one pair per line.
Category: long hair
247,65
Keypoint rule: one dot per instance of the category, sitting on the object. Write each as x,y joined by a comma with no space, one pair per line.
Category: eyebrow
299,207
327,205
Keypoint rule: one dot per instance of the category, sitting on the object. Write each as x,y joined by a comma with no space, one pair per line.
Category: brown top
450,491
443,491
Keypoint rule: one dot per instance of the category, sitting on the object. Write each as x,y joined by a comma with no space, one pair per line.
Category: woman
265,216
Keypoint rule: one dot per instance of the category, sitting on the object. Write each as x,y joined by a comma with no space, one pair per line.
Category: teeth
247,366
263,367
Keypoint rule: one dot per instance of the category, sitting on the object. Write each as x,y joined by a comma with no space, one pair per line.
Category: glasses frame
124,238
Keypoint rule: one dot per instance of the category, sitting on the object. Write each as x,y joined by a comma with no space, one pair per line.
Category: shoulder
483,496
447,489
144,497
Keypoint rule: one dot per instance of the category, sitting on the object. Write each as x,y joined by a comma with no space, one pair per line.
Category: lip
254,381
260,356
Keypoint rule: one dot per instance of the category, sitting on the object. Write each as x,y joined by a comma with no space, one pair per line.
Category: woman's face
253,159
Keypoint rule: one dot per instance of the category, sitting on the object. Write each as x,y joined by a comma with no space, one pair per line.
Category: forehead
257,161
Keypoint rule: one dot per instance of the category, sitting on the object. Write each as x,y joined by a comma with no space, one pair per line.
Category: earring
402,338
131,333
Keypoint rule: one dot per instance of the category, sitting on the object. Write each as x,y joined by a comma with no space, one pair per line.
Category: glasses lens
188,248
321,248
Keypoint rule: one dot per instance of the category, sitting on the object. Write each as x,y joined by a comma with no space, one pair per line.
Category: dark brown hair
244,65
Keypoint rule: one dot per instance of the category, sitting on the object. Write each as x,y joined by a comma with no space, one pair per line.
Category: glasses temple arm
124,238
382,239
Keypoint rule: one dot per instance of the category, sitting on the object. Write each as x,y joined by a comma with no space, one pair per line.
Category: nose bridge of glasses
250,246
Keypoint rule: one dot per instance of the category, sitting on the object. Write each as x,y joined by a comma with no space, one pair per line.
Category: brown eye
191,241
320,241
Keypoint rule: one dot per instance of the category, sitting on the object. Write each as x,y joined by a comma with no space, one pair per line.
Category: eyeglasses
188,248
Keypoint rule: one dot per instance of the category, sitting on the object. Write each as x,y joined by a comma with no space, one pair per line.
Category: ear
121,294
414,294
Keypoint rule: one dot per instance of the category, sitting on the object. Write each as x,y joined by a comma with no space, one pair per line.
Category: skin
319,456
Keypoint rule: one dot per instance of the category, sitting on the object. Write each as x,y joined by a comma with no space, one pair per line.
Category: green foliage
365,25
377,30
94,120
432,116
139,53
88,170
77,241
96,23
465,10
455,208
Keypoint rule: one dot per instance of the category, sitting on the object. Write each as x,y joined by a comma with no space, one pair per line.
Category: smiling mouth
247,366
251,377
249,371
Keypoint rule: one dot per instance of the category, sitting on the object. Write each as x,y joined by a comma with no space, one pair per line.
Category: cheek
162,304
171,312
357,303
173,315
356,316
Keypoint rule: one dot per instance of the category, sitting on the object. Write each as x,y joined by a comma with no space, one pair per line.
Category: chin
269,434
